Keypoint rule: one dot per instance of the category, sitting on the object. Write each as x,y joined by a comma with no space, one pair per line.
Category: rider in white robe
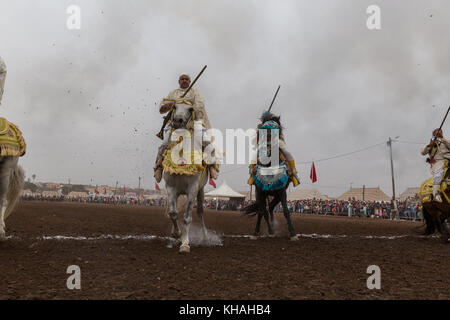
193,98
2,77
439,152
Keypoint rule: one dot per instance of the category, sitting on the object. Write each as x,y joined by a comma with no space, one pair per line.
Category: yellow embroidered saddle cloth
426,191
178,162
11,140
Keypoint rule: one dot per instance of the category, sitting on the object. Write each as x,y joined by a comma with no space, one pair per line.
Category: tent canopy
306,194
369,194
224,191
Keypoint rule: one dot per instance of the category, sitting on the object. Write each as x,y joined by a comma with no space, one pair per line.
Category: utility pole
139,187
394,212
364,192
115,189
389,143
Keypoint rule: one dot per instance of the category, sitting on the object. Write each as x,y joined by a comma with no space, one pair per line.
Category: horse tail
251,210
16,183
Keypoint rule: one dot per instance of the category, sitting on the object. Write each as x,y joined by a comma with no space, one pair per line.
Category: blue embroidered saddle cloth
271,178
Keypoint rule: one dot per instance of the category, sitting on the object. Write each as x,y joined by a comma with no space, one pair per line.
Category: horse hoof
2,236
253,238
184,248
271,235
294,238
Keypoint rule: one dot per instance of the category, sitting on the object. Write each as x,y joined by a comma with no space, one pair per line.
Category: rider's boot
213,172
252,172
158,169
436,195
293,173
158,174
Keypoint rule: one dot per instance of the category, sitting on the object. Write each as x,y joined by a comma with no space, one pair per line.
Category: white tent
224,191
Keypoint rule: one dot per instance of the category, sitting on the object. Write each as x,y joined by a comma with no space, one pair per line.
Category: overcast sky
86,99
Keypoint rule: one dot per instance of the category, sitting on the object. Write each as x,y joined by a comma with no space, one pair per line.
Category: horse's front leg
4,182
200,200
258,225
173,213
268,221
287,215
2,220
444,229
185,247
272,205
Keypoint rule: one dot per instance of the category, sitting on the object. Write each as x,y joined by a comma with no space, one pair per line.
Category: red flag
104,189
157,187
313,175
96,191
124,190
211,182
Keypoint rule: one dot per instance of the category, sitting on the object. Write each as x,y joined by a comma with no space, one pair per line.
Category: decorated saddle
12,143
181,163
271,178
426,191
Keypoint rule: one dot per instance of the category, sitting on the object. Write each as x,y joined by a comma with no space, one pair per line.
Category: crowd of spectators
409,209
115,200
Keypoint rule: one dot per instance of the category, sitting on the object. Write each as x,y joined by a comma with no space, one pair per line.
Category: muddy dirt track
33,261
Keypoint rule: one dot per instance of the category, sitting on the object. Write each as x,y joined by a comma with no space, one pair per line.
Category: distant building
77,194
306,194
366,194
52,186
50,193
27,192
409,193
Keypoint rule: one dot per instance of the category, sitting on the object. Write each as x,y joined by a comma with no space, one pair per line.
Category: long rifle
160,134
431,159
445,118
274,97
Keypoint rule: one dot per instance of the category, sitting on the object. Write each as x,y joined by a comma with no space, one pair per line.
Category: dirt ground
34,267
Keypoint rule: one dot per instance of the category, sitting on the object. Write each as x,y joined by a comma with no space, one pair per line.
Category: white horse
12,179
180,184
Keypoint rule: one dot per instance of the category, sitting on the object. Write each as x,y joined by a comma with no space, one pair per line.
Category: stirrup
438,198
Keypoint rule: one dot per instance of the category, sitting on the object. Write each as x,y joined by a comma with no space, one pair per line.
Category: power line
344,154
319,160
337,156
412,142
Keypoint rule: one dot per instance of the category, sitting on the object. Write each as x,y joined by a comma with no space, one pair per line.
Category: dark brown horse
270,187
434,213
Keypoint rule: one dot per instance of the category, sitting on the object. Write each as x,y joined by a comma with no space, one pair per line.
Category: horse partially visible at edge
12,177
435,213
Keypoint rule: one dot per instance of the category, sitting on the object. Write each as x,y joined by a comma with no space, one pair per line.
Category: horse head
182,113
267,116
270,124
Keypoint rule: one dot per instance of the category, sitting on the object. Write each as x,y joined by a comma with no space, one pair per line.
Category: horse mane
268,116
